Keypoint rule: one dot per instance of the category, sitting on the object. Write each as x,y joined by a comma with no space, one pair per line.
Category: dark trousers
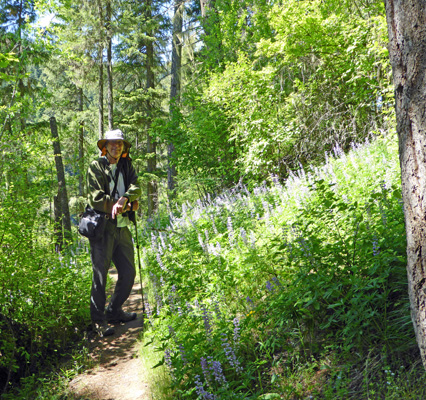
116,245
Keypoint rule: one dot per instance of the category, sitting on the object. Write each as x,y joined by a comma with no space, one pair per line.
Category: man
113,189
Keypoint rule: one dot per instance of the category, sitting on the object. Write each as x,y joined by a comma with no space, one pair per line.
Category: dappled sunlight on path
118,374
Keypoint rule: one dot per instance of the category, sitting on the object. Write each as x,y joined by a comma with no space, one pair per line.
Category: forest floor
118,373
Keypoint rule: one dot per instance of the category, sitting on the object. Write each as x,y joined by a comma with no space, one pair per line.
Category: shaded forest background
246,90
213,95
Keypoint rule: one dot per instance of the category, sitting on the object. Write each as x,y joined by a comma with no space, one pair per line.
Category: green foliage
278,291
42,310
282,84
41,304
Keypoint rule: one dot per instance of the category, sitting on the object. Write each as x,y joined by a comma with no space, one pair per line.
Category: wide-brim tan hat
116,134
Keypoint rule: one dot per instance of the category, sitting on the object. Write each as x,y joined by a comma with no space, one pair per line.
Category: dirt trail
119,372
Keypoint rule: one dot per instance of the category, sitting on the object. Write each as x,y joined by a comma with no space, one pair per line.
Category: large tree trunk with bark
175,88
62,212
407,49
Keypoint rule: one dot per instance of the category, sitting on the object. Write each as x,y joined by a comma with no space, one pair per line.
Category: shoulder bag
92,223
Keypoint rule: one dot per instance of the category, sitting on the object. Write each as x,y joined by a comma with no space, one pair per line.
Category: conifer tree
175,86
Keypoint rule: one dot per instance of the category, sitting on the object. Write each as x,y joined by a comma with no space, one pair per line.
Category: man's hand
119,207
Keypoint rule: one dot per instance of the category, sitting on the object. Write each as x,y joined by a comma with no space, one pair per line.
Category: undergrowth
294,290
43,313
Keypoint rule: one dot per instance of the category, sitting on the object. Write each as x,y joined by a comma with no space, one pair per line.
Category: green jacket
98,183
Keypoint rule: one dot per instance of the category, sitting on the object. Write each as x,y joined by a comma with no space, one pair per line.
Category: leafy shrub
41,304
255,292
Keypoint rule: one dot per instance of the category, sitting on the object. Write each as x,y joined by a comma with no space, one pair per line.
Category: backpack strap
117,174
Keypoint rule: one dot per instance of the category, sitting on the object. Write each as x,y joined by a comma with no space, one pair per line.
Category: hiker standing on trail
113,188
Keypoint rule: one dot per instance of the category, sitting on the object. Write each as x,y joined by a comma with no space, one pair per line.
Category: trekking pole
139,263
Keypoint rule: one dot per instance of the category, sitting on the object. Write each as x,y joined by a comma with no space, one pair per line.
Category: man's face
114,147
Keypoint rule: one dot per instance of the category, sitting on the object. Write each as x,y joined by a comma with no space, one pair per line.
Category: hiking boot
103,329
121,316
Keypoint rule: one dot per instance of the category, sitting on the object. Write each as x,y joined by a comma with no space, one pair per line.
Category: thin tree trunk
62,197
205,5
174,89
81,146
406,21
21,85
109,65
152,187
101,73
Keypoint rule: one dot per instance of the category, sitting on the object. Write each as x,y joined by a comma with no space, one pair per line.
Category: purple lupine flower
153,242
230,232
252,240
276,281
163,244
182,354
218,251
201,391
230,354
168,361
200,240
211,216
236,322
269,286
383,214
217,310
376,248
206,319
205,369
159,301
171,300
160,262
148,311
212,250
304,246
243,235
250,301
216,368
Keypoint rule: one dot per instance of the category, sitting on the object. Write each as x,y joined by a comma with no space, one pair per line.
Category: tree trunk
152,187
174,89
57,224
81,146
205,5
101,73
62,197
406,21
109,65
